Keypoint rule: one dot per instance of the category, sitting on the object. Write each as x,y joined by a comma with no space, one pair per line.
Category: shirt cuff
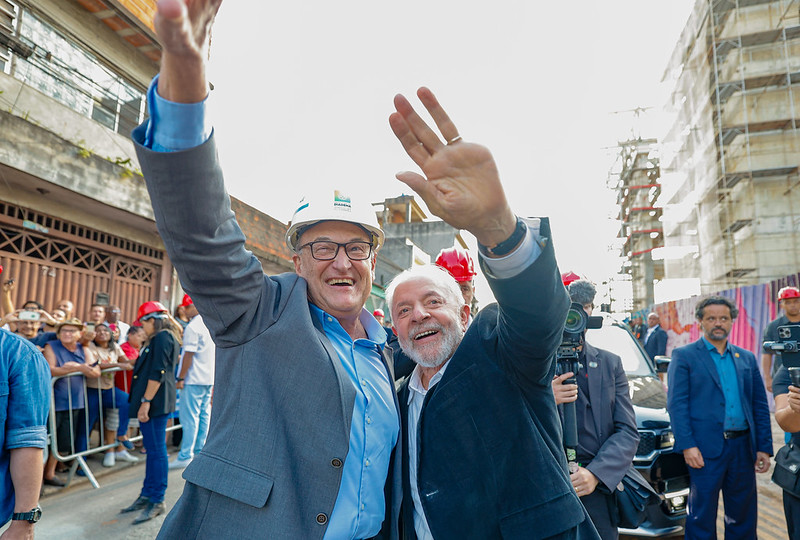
26,437
521,258
172,126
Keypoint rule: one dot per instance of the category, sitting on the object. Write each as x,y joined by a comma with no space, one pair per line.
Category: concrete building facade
730,181
75,216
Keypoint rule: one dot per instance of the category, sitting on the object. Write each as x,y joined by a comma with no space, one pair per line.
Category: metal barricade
78,457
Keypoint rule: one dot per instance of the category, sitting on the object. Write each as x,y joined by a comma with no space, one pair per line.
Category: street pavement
771,520
80,511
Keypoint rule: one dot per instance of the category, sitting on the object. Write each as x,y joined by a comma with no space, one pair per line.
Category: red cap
458,263
569,277
187,301
788,292
378,313
150,307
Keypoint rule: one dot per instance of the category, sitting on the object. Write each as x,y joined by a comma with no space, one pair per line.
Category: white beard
428,357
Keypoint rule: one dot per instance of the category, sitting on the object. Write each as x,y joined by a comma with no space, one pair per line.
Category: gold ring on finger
454,140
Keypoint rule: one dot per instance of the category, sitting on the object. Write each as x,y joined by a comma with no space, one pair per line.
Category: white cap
332,205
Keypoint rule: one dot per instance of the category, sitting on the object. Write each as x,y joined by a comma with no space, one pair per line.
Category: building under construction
638,187
730,161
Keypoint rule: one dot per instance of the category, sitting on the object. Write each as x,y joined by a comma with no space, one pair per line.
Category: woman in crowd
66,355
180,316
114,401
152,399
133,343
131,347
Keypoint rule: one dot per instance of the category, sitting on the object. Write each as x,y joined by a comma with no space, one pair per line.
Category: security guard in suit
607,434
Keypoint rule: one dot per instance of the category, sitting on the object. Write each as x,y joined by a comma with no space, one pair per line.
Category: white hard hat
332,205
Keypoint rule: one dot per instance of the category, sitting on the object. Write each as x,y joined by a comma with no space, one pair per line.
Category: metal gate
48,269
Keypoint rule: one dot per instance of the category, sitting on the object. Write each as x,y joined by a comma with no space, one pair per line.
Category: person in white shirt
196,382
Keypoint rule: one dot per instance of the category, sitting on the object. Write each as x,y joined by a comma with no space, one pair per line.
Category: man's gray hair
582,292
441,279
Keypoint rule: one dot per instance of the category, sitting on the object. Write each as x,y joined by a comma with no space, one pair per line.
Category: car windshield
620,341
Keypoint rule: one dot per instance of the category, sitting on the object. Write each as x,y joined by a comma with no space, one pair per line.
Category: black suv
655,459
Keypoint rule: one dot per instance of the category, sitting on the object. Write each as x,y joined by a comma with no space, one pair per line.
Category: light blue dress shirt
360,506
25,399
734,413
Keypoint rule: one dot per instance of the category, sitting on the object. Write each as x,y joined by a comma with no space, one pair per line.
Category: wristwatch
506,246
31,517
145,400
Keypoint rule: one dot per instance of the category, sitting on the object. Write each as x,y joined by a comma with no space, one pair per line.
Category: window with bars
68,73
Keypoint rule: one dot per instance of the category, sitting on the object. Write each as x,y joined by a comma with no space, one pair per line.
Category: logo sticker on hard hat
341,201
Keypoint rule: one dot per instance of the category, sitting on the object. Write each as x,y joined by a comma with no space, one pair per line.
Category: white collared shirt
416,396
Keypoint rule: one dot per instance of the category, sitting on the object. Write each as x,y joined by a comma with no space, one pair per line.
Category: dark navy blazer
491,460
696,403
657,344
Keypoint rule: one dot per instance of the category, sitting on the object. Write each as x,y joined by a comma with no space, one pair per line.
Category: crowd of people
118,379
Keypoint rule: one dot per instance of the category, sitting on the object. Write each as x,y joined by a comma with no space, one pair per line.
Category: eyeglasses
324,250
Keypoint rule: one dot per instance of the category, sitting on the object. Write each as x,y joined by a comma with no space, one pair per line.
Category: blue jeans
195,411
154,434
113,398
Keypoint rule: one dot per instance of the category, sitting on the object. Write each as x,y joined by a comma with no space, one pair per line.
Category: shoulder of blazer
607,360
747,355
163,338
689,350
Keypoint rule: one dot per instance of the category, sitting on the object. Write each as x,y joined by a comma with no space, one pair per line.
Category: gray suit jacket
280,429
613,420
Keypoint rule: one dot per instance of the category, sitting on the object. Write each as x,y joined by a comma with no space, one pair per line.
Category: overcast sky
303,91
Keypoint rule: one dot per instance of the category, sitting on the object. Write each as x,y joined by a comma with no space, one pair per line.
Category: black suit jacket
613,422
156,362
491,461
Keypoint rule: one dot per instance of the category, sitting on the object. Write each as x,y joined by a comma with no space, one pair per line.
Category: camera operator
607,435
789,301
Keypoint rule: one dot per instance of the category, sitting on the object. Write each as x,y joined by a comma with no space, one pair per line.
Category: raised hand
461,183
184,30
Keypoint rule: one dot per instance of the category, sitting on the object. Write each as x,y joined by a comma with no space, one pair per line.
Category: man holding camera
720,416
789,300
607,434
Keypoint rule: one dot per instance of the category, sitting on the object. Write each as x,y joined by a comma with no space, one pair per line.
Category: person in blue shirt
718,407
24,404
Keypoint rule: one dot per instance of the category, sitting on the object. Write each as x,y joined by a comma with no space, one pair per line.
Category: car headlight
666,440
